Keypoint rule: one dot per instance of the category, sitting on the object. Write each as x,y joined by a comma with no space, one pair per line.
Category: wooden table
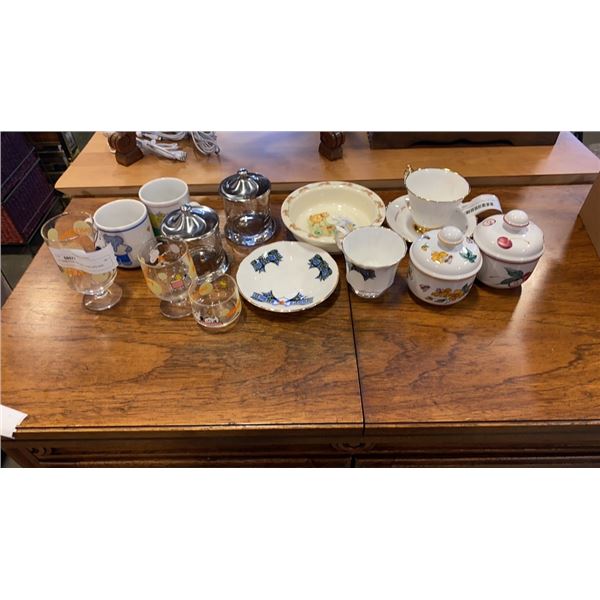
291,159
509,377
500,378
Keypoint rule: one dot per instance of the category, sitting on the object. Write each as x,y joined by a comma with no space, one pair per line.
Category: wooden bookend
125,146
590,214
331,144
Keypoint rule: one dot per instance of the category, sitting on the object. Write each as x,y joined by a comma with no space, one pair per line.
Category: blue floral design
270,298
366,273
317,262
272,256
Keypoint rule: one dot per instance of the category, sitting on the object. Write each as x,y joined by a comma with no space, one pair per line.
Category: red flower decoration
504,242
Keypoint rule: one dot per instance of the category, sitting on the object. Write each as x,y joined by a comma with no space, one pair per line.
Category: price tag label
99,261
481,203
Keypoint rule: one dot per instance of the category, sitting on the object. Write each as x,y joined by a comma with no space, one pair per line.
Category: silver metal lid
189,222
244,185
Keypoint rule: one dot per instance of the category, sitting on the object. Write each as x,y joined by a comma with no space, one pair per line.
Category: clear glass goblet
79,252
215,301
169,270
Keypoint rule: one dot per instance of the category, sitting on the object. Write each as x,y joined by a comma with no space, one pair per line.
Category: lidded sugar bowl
511,246
443,265
246,201
199,226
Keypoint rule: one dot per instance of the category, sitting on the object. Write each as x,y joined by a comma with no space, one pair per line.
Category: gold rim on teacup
410,170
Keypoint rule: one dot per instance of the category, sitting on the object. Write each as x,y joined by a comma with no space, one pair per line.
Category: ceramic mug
435,194
162,196
124,224
372,257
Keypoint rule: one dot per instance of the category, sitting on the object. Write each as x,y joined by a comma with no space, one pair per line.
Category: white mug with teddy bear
124,224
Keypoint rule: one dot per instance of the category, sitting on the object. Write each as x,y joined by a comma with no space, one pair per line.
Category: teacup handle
342,229
407,172
481,203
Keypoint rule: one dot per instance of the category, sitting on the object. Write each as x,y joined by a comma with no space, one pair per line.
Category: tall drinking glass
88,265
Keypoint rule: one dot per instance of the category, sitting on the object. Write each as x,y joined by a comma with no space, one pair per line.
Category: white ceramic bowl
502,274
312,211
287,277
511,247
443,266
435,290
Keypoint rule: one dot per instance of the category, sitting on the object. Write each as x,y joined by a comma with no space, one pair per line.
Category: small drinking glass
169,271
72,236
215,301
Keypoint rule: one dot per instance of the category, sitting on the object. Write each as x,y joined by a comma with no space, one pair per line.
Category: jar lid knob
516,218
450,235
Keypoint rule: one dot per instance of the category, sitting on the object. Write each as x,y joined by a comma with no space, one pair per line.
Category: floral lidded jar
443,265
511,246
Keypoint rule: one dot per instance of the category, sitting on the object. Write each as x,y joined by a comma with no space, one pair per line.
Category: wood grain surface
291,159
502,378
130,368
517,356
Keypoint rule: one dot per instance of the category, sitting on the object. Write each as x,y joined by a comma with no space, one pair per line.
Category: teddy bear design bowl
312,212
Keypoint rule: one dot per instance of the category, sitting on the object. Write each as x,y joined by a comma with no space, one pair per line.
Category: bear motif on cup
121,249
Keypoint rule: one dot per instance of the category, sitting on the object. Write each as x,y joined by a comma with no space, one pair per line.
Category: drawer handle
352,446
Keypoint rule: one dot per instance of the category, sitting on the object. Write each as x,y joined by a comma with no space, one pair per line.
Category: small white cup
124,224
372,257
162,196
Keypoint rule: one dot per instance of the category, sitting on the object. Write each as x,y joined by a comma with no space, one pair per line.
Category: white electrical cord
205,142
164,143
151,141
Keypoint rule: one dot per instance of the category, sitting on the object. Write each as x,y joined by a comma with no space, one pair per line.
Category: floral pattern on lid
514,238
446,253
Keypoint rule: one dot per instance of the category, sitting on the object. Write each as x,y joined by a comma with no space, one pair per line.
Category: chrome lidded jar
246,202
199,226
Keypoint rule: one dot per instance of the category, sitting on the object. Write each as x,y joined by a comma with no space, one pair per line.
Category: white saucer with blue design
287,277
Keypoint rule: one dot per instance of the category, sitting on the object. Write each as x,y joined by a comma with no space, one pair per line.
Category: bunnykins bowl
313,211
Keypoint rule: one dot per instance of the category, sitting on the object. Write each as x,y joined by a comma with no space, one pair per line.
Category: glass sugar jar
199,226
246,202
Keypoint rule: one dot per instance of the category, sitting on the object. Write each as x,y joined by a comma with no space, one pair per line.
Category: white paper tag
481,203
99,261
11,419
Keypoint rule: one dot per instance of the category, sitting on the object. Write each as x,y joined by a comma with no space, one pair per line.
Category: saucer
287,277
400,220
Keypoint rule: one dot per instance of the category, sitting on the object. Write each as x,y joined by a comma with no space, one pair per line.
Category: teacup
372,257
124,224
435,194
162,196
